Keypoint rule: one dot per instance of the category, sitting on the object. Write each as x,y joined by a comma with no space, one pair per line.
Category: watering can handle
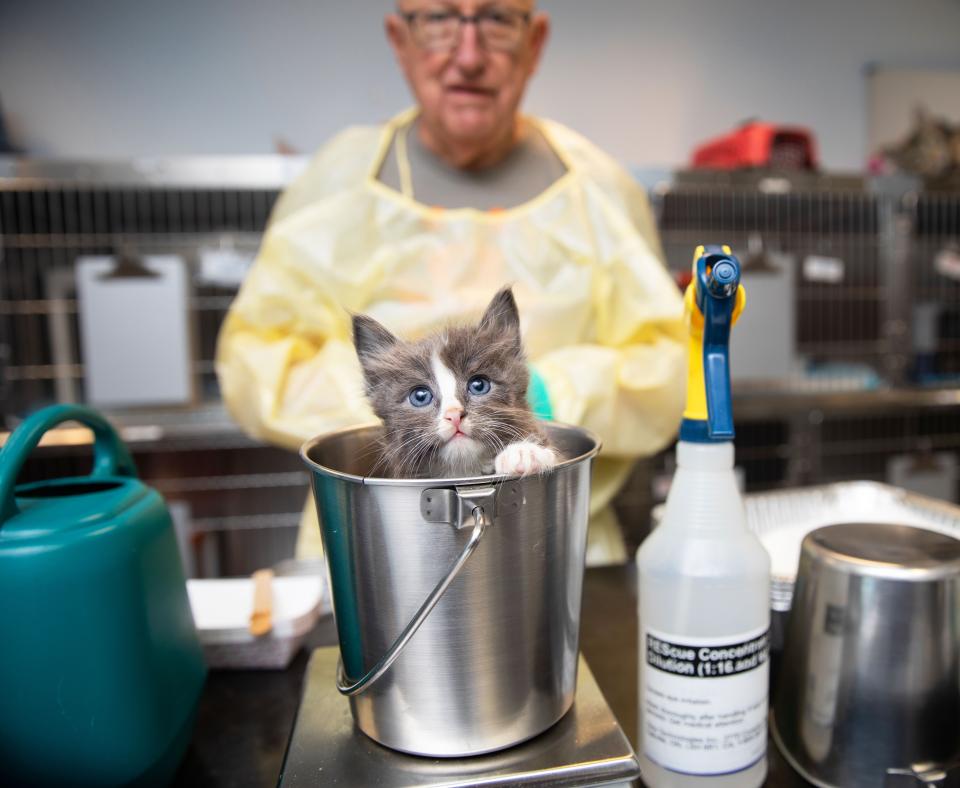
481,520
110,455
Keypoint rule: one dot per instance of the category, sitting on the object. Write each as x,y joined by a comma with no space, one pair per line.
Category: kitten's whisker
422,453
395,456
408,446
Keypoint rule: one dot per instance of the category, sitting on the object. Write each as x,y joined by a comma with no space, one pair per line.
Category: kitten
454,403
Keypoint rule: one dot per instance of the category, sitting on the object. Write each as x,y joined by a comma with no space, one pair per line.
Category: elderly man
420,221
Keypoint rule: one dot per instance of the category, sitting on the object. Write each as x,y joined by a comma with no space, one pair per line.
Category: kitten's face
451,402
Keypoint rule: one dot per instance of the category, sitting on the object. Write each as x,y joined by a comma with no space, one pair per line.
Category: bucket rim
492,478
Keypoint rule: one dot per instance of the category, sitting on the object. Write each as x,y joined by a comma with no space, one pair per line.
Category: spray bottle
704,578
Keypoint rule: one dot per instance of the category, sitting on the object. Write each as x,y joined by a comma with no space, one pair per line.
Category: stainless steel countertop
251,171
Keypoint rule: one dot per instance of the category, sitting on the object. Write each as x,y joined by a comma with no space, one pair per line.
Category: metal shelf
207,426
210,426
772,404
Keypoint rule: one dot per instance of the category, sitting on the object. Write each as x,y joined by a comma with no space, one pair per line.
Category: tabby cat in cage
930,150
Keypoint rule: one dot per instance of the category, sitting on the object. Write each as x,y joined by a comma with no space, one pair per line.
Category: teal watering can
100,665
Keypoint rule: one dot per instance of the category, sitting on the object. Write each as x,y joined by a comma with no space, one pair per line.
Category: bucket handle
480,502
110,455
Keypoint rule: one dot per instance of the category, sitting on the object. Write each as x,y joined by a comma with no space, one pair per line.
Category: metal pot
869,687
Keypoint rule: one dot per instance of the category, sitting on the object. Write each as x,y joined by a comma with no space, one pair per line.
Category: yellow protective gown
602,320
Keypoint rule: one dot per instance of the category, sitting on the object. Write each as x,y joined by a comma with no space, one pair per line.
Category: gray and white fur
453,404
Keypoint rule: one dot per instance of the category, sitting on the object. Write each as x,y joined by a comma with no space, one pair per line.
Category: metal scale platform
586,748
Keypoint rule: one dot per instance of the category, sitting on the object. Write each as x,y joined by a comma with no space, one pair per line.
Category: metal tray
782,518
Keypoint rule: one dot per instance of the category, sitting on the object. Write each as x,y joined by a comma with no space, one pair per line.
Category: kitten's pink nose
453,415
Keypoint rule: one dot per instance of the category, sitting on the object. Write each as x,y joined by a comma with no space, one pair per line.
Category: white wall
646,80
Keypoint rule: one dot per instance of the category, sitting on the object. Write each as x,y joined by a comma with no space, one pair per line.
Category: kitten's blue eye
478,385
420,397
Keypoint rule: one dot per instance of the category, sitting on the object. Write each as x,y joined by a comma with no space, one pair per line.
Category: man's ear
539,34
370,338
398,35
502,318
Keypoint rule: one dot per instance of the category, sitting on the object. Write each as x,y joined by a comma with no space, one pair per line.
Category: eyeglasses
439,29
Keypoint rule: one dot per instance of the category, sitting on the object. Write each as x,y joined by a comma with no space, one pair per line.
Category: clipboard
134,330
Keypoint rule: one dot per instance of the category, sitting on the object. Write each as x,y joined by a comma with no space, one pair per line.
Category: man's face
468,92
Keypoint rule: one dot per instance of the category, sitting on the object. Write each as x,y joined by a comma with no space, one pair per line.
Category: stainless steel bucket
457,601
869,686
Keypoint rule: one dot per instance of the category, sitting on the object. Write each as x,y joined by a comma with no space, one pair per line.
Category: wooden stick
261,618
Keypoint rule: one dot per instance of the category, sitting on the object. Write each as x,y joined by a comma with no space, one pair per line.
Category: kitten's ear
370,338
502,317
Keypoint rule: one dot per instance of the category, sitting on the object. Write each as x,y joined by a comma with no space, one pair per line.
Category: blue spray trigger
724,279
718,276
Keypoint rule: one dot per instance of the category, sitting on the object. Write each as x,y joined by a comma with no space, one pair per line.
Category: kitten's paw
524,458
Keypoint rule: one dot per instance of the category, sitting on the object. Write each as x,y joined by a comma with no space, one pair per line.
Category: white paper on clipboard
134,332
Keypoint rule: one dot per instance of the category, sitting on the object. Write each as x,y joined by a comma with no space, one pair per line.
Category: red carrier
757,144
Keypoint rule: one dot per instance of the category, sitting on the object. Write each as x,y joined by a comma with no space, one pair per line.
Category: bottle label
704,701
